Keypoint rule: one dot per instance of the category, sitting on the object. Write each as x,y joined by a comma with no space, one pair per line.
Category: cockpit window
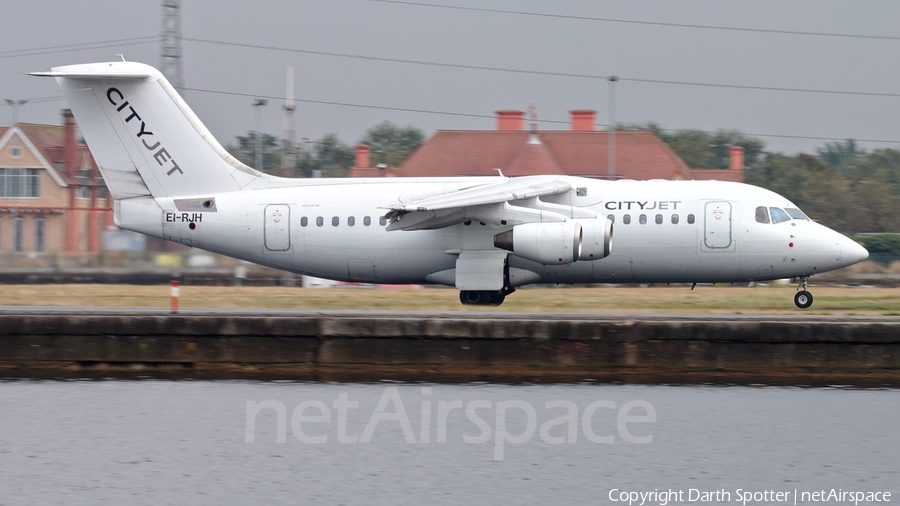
762,214
778,215
796,213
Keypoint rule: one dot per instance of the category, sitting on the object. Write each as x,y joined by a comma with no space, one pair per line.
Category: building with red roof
52,197
579,151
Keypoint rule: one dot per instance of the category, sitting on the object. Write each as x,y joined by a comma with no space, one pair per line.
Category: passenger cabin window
335,221
659,219
611,218
382,221
762,214
674,219
351,221
304,221
320,221
796,214
367,221
643,219
626,219
778,216
690,219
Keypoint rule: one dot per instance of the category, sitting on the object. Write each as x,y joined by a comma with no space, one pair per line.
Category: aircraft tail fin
142,134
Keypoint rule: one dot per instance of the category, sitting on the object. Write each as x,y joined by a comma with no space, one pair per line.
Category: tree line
843,186
389,144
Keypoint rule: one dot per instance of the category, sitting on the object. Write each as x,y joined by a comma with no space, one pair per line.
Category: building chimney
70,155
510,121
736,157
362,156
582,120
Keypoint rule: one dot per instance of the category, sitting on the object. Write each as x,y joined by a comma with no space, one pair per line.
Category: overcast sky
551,44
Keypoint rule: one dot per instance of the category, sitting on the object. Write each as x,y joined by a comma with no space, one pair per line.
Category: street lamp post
611,136
257,104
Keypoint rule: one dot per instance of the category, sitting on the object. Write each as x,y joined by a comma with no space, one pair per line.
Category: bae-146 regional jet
170,178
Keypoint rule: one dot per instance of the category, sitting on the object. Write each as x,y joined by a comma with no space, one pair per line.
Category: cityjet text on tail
170,178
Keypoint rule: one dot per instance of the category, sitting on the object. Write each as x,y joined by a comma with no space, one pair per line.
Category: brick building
579,151
52,198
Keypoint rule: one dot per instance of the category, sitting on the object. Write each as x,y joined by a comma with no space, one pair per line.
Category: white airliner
170,178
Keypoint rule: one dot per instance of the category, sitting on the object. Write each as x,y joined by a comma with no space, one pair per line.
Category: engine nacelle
596,239
548,243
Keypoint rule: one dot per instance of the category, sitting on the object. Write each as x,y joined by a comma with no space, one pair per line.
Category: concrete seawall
454,347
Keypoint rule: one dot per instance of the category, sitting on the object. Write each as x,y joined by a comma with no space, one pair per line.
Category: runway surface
475,315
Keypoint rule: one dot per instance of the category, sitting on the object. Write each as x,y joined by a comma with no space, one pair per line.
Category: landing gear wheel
470,297
482,297
803,299
496,298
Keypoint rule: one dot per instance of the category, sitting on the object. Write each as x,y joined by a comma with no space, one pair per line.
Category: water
185,442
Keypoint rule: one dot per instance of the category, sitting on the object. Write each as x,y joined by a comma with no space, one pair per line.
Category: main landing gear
803,299
482,297
488,297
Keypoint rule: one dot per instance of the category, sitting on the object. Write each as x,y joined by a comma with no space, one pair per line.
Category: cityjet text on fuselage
160,154
647,205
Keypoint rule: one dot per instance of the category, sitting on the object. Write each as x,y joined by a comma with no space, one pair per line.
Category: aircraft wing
505,191
489,204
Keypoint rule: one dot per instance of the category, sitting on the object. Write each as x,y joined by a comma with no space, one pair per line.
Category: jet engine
548,243
596,239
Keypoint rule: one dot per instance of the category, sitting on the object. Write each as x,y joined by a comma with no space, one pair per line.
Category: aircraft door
277,228
717,225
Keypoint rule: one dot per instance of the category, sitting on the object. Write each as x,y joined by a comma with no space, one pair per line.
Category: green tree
812,185
245,151
694,147
391,144
334,156
704,150
887,160
840,155
877,206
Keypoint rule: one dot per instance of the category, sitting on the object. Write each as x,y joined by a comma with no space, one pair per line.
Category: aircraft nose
852,252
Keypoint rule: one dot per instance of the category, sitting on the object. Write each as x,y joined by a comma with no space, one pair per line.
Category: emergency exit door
277,229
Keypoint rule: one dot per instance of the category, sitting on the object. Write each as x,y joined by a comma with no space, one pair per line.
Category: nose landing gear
803,299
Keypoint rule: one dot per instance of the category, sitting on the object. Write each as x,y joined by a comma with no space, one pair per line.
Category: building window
304,221
83,191
367,221
102,192
691,219
17,234
320,221
626,219
39,226
351,221
19,183
335,221
674,219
